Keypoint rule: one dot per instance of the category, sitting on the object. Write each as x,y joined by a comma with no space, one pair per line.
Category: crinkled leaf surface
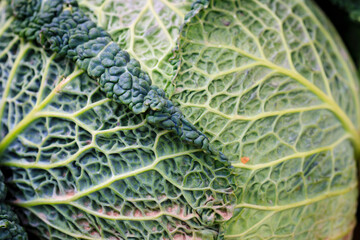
82,167
147,29
271,84
268,81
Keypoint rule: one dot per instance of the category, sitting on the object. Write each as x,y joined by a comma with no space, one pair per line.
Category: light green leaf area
147,29
79,166
271,84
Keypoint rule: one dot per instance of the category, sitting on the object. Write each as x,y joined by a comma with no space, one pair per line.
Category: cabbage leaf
83,167
146,29
270,83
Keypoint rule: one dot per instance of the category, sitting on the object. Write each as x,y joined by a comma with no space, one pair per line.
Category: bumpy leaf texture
267,80
60,26
345,15
10,228
272,86
83,167
147,29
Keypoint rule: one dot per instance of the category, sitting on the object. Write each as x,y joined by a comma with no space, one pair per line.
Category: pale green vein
43,79
26,142
252,227
51,146
283,39
161,24
101,14
317,56
221,74
24,123
77,195
90,106
257,116
61,115
72,158
336,49
9,46
156,142
173,8
26,85
246,30
57,164
174,183
133,25
120,128
20,56
305,202
235,69
292,156
281,32
331,104
130,50
6,25
117,217
255,85
73,118
216,135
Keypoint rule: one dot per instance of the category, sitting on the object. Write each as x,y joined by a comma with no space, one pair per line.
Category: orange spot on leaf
244,160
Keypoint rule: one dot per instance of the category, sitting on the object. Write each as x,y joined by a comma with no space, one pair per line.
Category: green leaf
147,29
80,166
272,86
347,27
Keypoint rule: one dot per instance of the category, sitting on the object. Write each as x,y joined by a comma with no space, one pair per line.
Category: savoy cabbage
268,82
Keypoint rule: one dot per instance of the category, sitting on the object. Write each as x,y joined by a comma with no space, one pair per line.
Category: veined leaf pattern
80,166
147,29
271,84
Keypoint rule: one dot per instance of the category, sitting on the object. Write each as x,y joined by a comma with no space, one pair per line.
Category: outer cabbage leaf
147,29
271,84
347,27
82,167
